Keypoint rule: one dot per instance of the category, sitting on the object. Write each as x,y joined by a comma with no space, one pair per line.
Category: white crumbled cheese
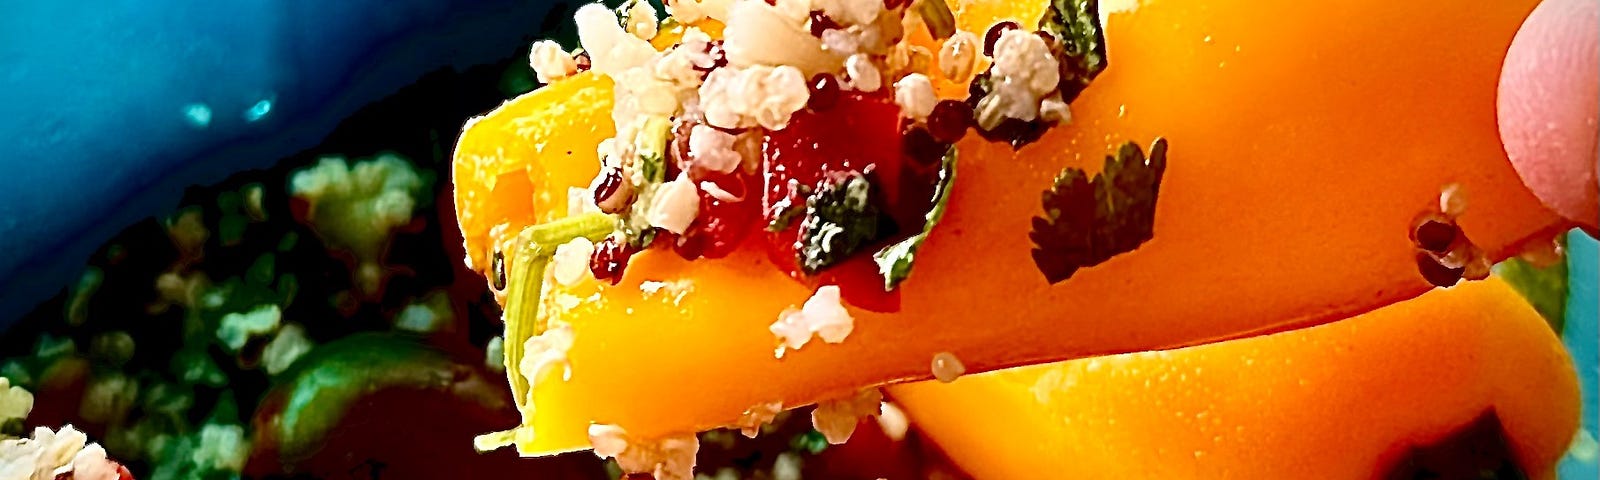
669,458
1022,57
822,315
958,55
851,12
550,62
686,12
711,149
841,42
15,402
580,201
546,351
91,463
49,454
1052,109
675,205
864,75
1024,72
570,263
914,95
758,34
836,419
642,21
757,415
893,421
758,95
947,368
611,49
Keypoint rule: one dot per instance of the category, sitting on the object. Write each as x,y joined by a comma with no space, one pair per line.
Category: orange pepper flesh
1303,143
1332,401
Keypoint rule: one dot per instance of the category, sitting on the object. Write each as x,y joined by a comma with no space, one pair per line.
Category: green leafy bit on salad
840,219
1080,45
895,261
1087,222
1544,287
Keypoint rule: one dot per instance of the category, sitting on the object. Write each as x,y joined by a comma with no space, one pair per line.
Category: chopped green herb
785,211
651,145
1544,287
1080,45
895,261
1087,222
936,15
840,219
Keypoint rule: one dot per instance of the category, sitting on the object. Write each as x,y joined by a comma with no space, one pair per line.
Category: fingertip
1548,99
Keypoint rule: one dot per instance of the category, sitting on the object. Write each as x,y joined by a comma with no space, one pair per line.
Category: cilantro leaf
894,261
1080,45
1086,222
840,219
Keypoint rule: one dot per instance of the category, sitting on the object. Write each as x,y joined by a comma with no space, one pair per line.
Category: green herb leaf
1087,222
840,219
895,261
651,146
1080,45
1544,287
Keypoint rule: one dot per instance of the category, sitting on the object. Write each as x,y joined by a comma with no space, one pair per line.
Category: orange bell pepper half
1304,141
1349,399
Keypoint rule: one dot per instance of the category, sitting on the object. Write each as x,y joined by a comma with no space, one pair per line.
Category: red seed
824,92
610,181
610,259
583,62
994,33
820,22
1436,273
719,58
949,120
1436,236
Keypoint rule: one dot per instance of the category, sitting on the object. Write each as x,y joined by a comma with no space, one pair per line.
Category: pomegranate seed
610,181
610,259
719,58
824,92
820,22
949,120
1436,236
583,62
921,148
689,247
994,33
1436,273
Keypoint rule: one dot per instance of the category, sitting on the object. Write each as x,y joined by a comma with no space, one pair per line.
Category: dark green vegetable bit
1086,222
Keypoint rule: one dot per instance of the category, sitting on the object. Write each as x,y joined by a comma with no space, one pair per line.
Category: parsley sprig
1086,222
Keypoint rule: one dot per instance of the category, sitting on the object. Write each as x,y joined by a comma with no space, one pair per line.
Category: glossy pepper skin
1342,400
1303,144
